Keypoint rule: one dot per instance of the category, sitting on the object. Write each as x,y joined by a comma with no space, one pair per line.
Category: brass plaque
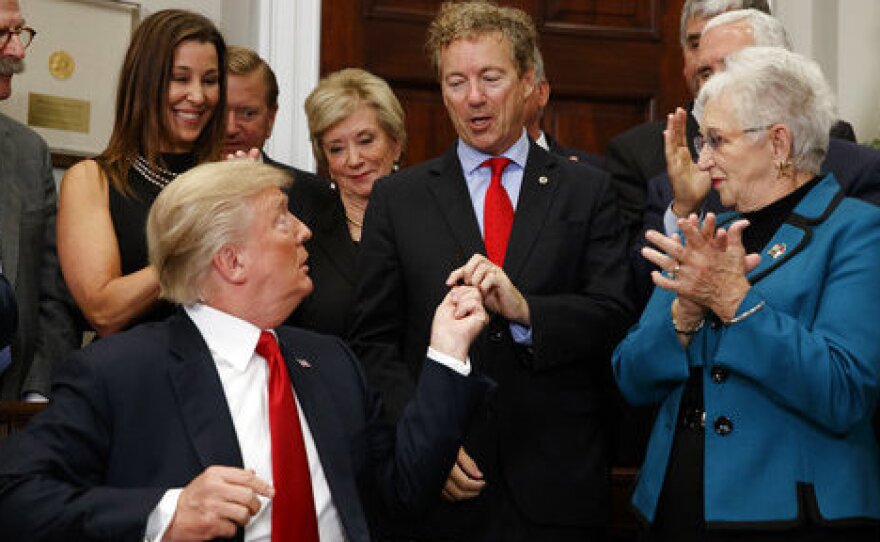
58,113
61,65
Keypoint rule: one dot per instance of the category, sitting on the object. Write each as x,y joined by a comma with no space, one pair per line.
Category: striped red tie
293,508
497,213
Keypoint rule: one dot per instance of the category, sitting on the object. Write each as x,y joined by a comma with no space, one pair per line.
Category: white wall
843,36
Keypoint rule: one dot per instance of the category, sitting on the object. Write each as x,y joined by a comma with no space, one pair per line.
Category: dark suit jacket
569,152
8,312
332,254
46,327
566,255
143,411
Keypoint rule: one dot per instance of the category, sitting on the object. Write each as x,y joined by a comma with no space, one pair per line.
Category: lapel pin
543,179
777,250
304,363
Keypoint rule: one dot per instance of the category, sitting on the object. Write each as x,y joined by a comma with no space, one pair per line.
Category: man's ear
271,113
528,79
229,263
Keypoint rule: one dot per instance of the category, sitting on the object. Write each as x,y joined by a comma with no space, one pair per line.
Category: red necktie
293,508
497,213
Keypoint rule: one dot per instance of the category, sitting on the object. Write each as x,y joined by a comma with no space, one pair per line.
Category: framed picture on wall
67,92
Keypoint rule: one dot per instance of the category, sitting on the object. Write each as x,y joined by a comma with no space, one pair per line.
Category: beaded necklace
159,176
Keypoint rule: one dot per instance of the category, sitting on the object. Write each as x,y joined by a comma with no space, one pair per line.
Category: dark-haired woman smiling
169,117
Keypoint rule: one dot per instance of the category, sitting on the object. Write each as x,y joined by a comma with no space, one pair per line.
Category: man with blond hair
218,423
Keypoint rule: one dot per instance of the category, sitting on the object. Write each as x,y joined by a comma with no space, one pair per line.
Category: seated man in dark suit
189,429
534,112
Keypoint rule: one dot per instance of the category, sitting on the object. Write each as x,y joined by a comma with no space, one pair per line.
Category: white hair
770,85
767,30
706,9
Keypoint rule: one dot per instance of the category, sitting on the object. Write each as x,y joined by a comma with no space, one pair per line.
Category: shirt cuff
461,367
521,334
670,221
161,516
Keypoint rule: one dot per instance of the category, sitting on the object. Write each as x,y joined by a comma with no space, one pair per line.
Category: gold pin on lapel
543,179
777,250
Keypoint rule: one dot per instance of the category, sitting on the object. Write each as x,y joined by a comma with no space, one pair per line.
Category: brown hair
142,93
244,61
463,20
340,94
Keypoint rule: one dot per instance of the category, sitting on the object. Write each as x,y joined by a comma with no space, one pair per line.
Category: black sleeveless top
129,216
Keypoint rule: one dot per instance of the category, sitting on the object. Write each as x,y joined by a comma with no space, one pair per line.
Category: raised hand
690,186
457,321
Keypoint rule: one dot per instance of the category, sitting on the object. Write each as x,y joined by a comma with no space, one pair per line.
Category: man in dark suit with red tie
546,250
190,429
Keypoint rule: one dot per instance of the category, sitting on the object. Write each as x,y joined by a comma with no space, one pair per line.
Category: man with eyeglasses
46,329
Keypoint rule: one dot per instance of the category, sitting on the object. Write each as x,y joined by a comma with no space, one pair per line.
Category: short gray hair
201,211
707,9
770,85
767,30
538,62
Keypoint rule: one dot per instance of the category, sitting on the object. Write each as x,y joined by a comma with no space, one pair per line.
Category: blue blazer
143,411
798,380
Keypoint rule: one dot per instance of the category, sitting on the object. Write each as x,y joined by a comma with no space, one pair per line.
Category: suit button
719,375
496,336
723,426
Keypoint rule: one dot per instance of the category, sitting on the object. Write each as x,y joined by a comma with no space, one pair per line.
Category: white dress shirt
244,376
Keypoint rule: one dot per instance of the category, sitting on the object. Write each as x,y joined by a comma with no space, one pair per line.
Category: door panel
611,64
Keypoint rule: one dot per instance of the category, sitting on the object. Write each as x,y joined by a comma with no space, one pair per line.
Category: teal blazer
796,381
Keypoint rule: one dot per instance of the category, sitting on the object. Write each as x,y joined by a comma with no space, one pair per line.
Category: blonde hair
201,211
463,20
340,94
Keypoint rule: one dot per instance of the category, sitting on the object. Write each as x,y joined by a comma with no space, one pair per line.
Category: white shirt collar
471,158
227,336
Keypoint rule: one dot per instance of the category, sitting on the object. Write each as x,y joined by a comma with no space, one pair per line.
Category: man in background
534,113
637,154
47,330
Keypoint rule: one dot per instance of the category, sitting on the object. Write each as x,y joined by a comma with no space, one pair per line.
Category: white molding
290,41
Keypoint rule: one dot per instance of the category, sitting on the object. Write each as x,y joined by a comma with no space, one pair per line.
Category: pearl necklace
159,177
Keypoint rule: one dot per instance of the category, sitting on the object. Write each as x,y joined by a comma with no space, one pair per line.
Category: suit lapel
200,395
449,188
797,231
10,205
539,184
330,439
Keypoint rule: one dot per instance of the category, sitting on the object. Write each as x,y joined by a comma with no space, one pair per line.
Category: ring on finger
675,270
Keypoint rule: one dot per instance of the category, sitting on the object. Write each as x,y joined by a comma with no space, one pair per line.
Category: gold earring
783,168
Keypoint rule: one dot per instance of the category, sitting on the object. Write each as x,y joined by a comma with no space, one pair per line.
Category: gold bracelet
691,331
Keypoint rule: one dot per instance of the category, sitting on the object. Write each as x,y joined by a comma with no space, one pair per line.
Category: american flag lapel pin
304,363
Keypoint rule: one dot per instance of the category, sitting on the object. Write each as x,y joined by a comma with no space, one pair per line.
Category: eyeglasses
714,139
25,36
